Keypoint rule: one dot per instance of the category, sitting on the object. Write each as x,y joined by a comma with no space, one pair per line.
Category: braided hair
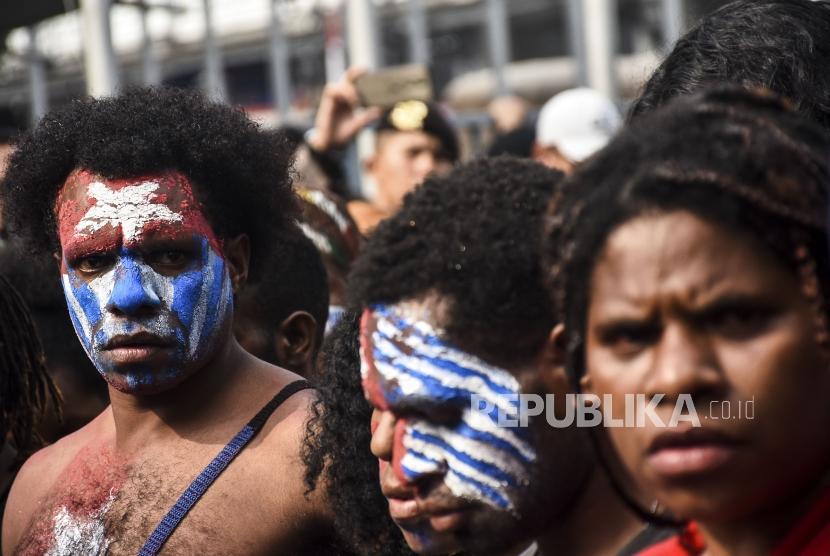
744,160
26,390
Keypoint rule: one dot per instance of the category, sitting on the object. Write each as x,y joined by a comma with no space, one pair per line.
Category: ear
296,342
237,253
551,363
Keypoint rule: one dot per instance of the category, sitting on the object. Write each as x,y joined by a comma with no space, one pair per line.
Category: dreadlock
26,390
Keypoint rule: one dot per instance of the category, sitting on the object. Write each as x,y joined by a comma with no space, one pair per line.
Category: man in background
572,126
414,139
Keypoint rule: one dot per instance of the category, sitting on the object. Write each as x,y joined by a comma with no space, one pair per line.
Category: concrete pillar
418,32
214,82
39,94
498,38
150,68
280,69
100,66
674,22
599,21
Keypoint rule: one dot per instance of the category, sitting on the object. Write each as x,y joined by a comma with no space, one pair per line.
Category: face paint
406,364
335,313
84,534
144,278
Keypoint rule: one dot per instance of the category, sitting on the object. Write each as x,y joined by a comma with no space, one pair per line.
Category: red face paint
399,451
97,215
372,388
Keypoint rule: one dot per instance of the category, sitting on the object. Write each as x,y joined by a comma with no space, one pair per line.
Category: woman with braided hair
690,263
27,392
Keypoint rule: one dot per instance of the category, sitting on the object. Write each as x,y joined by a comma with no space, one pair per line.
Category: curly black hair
782,45
473,238
293,279
740,159
337,444
240,172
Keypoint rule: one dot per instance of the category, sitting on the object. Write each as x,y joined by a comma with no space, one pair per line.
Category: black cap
417,115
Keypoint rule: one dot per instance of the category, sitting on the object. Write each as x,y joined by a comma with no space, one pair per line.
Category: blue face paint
144,278
406,363
132,300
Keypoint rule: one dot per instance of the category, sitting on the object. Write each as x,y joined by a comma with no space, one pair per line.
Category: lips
443,514
140,339
141,347
691,452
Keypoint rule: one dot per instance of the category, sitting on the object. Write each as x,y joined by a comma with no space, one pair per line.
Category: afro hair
473,237
241,174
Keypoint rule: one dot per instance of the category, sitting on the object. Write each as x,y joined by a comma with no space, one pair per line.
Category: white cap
578,122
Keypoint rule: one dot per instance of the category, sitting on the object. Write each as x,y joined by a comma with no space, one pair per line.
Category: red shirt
809,537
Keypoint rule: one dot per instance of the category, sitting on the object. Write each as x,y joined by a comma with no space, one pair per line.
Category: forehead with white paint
109,213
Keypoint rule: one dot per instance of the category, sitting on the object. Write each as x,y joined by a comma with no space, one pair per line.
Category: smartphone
389,86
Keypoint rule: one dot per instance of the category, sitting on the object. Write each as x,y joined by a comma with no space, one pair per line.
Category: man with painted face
450,304
158,204
691,256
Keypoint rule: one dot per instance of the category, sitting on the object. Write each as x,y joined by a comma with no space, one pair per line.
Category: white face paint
130,208
80,534
122,288
405,363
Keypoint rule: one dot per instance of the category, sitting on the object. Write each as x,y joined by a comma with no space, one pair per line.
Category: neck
576,532
760,532
185,409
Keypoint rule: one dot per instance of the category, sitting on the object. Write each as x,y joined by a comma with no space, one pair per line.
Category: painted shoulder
36,480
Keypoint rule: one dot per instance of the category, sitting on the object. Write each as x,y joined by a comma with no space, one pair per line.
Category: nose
383,434
685,362
132,294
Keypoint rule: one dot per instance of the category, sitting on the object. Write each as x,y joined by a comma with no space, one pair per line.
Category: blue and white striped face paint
407,368
148,292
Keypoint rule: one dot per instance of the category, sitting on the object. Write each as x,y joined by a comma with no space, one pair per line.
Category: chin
426,542
146,382
487,531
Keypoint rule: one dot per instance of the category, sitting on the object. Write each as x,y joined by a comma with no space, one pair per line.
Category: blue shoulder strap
215,468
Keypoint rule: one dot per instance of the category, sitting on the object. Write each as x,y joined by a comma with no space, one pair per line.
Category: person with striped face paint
406,364
144,276
158,205
448,323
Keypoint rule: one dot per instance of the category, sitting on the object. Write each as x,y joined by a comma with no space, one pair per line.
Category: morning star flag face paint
143,275
409,369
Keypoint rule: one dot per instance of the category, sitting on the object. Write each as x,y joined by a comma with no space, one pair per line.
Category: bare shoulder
36,479
268,475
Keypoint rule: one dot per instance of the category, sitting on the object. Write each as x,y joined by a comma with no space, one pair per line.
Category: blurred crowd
210,344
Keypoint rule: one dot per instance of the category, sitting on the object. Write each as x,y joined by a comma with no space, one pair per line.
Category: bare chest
101,505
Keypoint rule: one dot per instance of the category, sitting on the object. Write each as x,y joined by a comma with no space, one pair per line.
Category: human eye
739,321
629,338
168,258
171,258
93,263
